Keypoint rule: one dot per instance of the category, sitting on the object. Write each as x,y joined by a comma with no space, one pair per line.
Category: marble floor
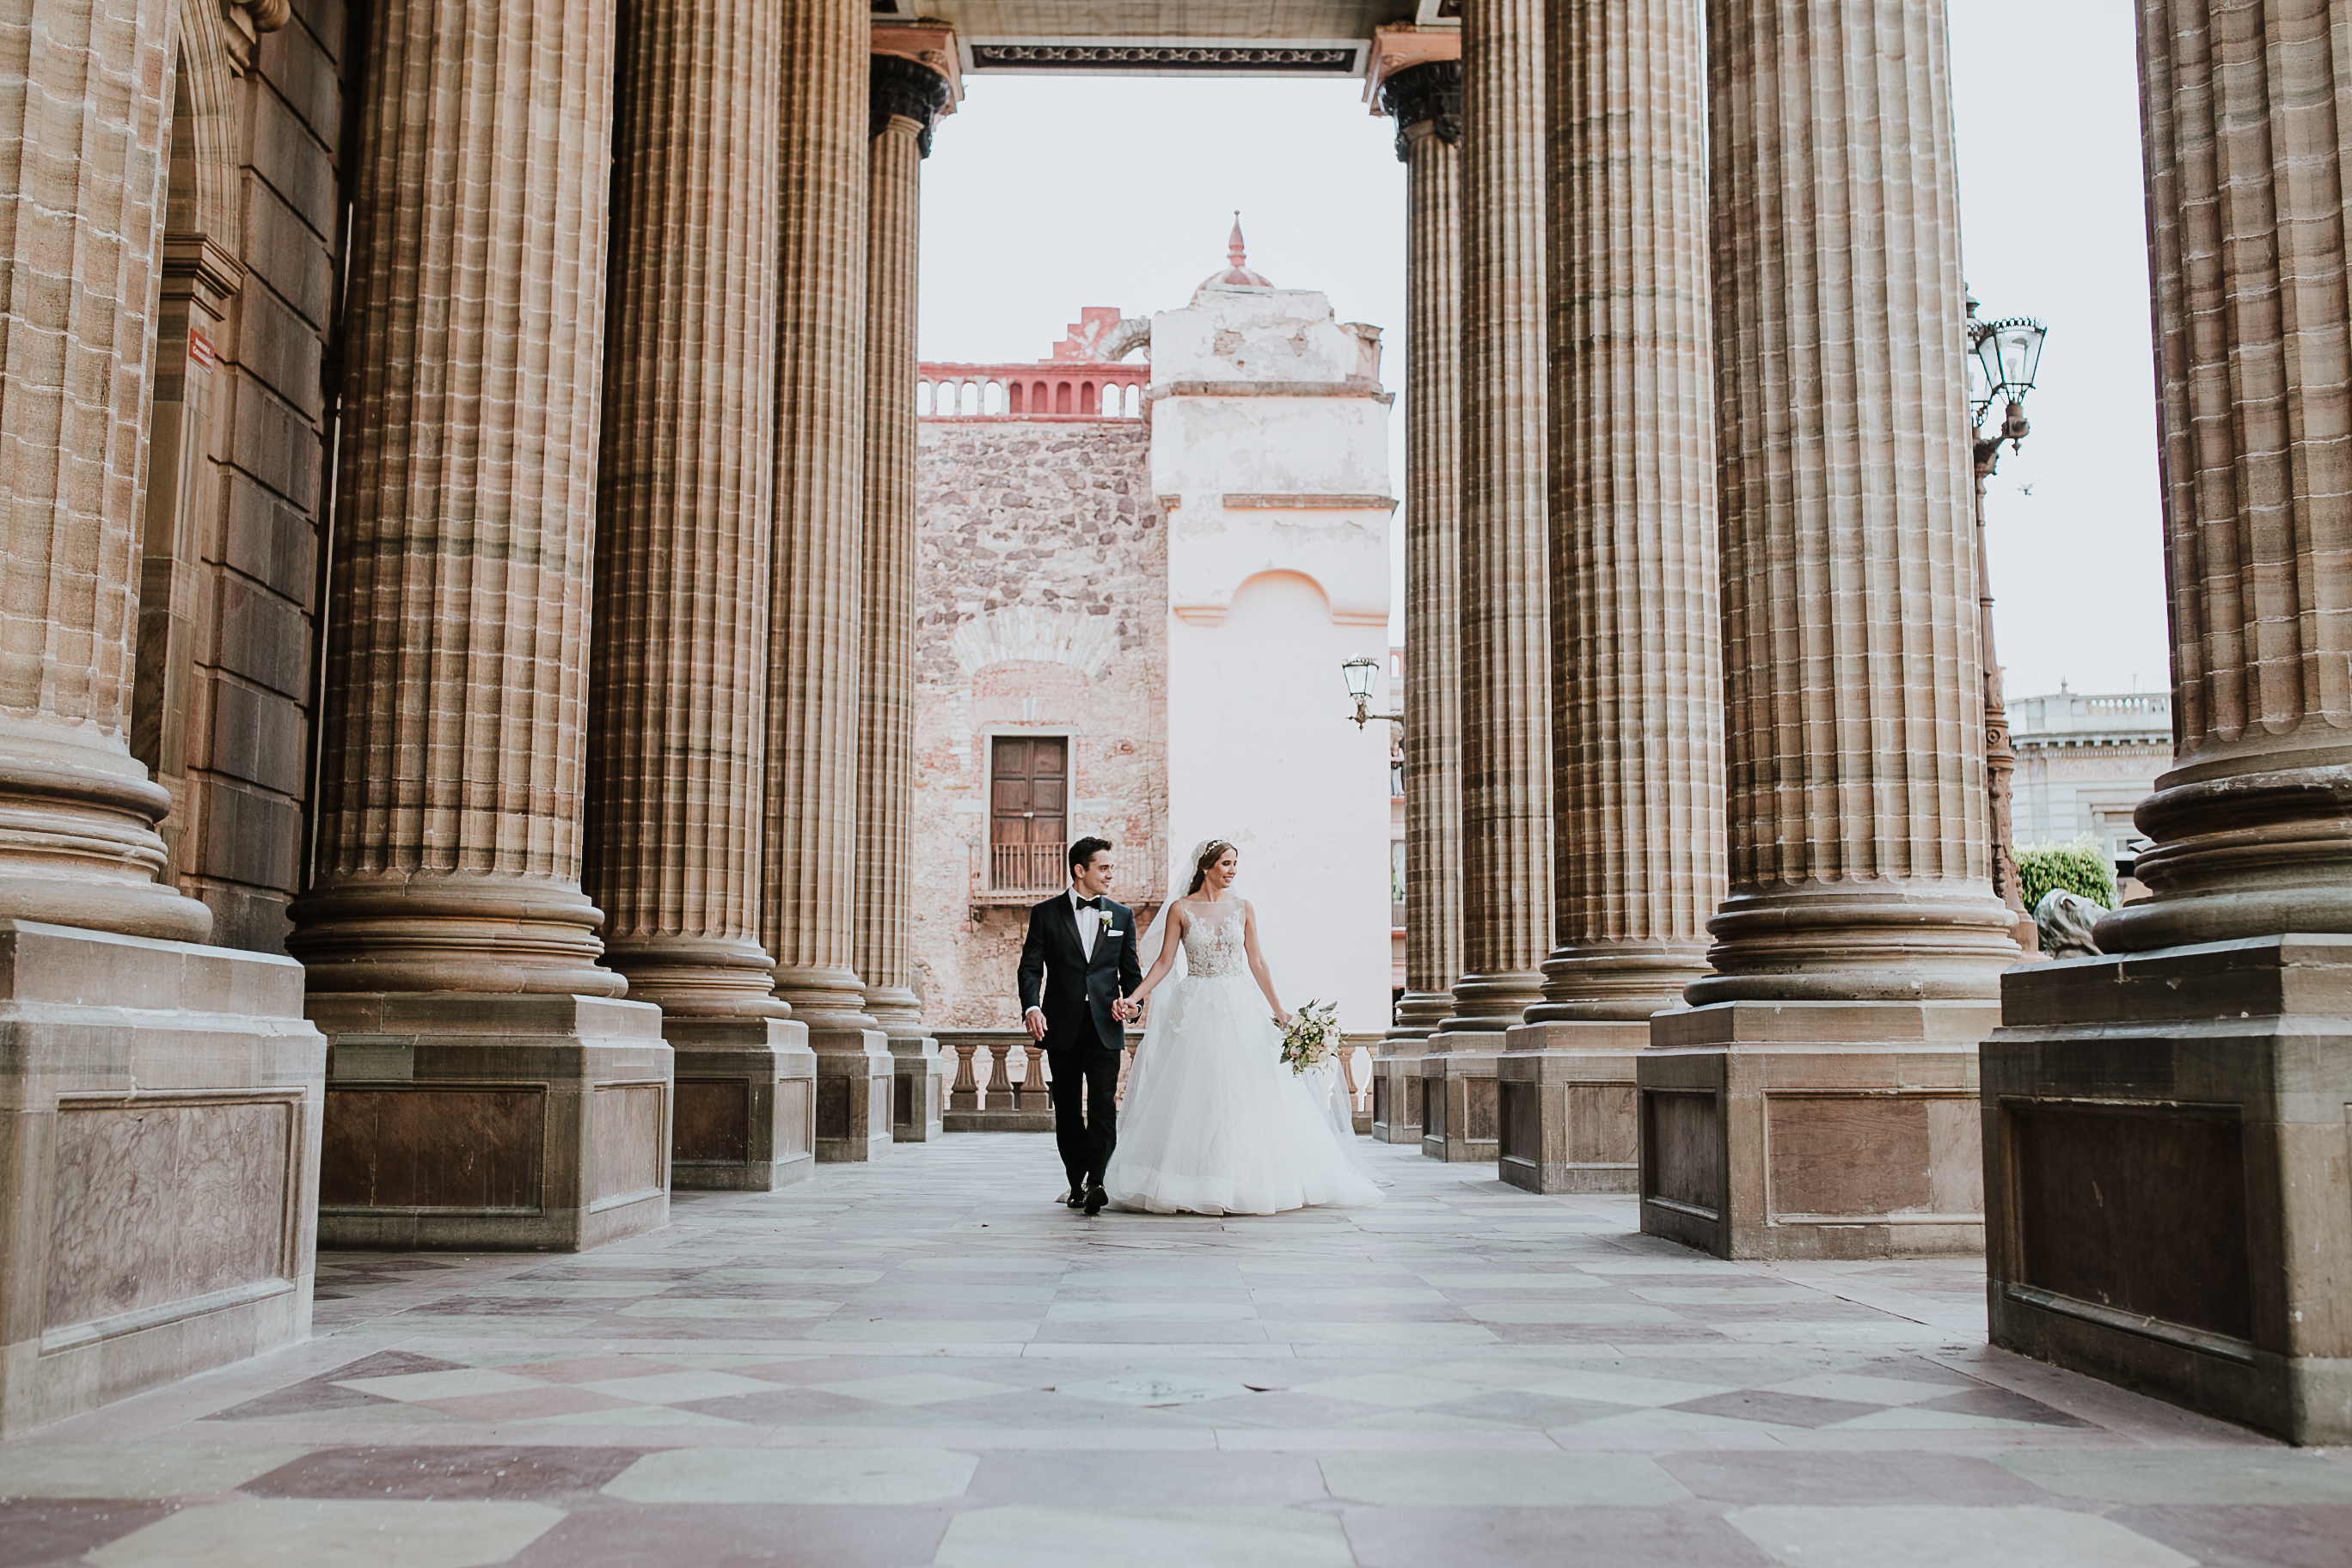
929,1360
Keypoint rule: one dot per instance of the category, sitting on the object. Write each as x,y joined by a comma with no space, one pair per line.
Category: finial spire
1233,251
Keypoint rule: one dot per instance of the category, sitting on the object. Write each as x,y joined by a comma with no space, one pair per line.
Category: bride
1215,1122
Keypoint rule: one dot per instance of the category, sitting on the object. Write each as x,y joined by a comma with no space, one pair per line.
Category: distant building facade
1136,586
2084,762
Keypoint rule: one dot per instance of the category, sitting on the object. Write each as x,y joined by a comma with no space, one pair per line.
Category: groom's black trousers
1088,1076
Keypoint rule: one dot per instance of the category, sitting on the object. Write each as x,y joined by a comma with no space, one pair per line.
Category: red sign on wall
200,349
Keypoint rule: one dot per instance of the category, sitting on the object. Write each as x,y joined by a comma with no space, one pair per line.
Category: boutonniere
1103,919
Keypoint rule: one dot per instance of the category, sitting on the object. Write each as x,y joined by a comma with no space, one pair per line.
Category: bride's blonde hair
1209,854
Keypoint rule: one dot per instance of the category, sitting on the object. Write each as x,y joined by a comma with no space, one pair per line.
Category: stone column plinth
906,98
1425,101
676,718
1505,635
2166,1143
1637,713
140,1072
811,871
479,1072
1823,1093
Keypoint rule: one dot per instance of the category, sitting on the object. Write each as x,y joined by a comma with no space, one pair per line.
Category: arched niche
201,272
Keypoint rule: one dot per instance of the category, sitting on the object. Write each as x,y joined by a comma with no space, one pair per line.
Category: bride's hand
1282,1017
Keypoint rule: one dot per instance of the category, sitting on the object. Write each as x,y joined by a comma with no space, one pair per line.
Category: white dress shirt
1090,925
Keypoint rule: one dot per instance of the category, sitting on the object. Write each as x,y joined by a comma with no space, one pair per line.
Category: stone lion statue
2064,920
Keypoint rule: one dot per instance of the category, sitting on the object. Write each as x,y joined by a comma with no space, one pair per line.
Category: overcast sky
1044,194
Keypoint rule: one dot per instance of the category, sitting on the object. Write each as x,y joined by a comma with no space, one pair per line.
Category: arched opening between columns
201,272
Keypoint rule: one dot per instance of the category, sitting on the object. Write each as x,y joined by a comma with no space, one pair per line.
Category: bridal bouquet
1311,1037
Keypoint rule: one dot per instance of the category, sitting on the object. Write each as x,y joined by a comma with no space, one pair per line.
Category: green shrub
2081,866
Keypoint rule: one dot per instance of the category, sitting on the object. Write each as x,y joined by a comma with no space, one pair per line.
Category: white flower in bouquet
1311,1037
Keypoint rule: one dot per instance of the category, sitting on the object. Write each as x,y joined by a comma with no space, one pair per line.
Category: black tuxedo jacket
1075,992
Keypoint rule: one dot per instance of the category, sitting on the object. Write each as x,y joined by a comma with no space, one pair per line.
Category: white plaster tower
1269,453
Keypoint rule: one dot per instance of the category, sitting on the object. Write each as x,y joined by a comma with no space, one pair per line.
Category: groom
1077,967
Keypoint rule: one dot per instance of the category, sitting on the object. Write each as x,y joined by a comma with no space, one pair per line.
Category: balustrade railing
1103,391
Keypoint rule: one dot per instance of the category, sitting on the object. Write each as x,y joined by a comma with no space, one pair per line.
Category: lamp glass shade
2008,354
2021,354
1359,674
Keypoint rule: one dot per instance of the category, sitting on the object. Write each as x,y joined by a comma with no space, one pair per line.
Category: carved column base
1814,1129
1458,1094
855,1076
1565,1118
919,1089
699,977
1866,941
521,1123
159,1164
746,1104
78,839
2167,1159
487,935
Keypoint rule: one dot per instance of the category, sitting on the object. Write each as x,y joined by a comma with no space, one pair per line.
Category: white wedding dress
1213,1120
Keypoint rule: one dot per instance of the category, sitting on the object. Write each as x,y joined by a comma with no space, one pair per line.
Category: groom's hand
1035,1022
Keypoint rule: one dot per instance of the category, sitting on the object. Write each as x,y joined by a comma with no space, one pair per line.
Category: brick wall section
252,699
1032,533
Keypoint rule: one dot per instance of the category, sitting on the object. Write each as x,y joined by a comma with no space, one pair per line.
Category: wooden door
1029,792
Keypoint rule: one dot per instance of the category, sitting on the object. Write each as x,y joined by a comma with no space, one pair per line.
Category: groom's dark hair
1084,851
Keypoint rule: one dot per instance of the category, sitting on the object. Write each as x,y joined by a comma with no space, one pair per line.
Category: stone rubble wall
1042,595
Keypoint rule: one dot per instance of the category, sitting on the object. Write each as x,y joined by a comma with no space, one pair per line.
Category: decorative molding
247,20
1349,388
1309,503
1204,58
1023,634
203,269
900,87
1427,94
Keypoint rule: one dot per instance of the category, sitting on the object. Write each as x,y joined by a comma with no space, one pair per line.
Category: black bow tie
1089,903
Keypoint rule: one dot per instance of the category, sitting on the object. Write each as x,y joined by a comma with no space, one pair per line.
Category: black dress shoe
1077,1195
1095,1198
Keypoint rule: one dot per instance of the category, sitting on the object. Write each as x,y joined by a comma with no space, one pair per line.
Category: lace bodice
1213,941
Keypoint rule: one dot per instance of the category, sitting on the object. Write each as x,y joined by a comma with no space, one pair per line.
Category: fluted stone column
77,812
1505,589
1425,101
445,932
676,691
2168,1166
906,97
1820,1097
1637,708
106,995
808,914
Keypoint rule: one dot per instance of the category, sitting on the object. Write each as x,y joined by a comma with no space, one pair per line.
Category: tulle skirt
1214,1123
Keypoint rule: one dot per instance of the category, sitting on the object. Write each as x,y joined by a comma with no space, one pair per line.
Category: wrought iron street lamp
1359,673
2004,356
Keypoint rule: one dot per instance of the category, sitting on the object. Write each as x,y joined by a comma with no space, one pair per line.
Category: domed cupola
1236,274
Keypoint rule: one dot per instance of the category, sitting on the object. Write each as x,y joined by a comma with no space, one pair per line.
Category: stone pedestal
522,1122
854,1077
1397,1088
919,1089
1814,1129
744,1108
1458,1095
2169,1175
1564,1106
159,1164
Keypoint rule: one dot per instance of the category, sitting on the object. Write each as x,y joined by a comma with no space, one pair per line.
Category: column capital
1429,93
913,76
